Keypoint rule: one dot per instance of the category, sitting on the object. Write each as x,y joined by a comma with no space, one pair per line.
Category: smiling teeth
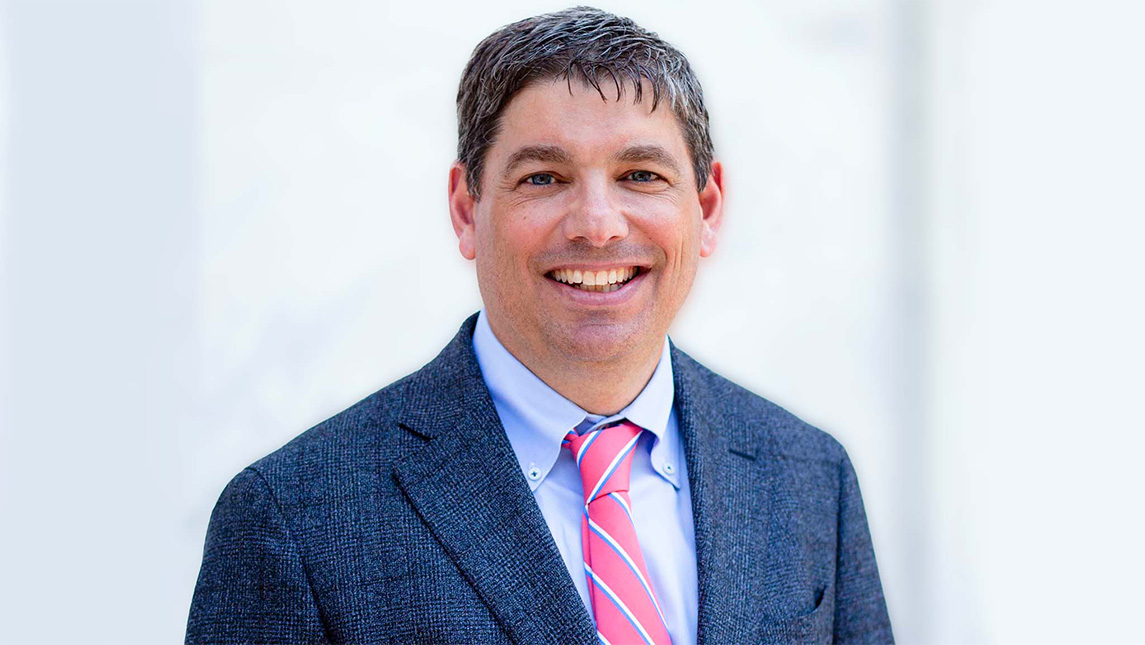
600,281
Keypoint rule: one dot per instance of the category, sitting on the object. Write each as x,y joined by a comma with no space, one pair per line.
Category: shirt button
534,473
669,468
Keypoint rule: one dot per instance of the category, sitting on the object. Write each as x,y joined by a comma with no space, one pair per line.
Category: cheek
675,231
510,238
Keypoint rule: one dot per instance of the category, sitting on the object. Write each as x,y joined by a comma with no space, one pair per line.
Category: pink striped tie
623,603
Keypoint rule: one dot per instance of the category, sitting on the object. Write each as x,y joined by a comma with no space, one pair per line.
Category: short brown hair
592,45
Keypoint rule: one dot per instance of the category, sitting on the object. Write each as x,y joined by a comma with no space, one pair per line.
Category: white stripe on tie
620,605
612,467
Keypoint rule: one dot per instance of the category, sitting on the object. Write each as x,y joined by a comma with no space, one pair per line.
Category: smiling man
561,472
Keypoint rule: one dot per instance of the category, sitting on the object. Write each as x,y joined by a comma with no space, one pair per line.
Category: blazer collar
731,477
465,483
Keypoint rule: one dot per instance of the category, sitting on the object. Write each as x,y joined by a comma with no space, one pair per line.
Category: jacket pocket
818,626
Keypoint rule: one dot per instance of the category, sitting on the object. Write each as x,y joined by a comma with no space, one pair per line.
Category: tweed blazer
406,519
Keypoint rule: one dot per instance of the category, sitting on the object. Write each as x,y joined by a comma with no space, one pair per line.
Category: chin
598,343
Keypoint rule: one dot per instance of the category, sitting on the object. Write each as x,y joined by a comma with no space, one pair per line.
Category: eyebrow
649,153
543,154
555,154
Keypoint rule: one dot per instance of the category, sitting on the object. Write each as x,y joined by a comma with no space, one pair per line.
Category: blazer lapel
731,483
465,483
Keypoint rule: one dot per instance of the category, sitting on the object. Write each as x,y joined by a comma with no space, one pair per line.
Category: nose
594,216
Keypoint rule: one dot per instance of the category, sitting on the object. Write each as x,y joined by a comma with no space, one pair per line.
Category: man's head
590,46
583,148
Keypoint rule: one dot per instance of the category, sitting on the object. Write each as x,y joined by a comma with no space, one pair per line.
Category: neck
598,387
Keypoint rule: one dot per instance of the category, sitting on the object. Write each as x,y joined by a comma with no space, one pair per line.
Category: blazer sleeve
860,609
252,586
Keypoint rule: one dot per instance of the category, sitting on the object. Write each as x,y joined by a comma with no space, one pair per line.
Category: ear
461,210
712,209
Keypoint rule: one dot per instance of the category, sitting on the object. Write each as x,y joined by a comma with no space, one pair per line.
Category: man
560,473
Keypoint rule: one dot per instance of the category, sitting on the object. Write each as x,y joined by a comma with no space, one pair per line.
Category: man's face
589,228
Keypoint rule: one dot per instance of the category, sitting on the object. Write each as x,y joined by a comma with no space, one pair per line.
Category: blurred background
222,222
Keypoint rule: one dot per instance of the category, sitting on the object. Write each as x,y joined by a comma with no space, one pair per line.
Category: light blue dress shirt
537,418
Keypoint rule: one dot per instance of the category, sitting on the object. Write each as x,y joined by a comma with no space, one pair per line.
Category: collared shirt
536,419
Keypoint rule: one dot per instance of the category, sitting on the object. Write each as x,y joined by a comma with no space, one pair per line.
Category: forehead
575,117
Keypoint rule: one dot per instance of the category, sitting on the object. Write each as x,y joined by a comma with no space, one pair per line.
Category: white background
223,222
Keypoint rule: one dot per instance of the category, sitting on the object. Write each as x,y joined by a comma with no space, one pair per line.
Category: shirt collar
536,417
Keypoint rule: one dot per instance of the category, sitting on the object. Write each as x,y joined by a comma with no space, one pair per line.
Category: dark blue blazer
406,519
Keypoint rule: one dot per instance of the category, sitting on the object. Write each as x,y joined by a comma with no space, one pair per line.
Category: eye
643,176
540,179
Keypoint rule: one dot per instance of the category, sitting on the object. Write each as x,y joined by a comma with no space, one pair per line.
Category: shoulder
758,421
352,448
344,451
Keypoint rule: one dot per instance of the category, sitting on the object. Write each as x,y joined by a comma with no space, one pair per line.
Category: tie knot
604,458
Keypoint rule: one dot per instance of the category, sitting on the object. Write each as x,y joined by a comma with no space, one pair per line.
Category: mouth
598,281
